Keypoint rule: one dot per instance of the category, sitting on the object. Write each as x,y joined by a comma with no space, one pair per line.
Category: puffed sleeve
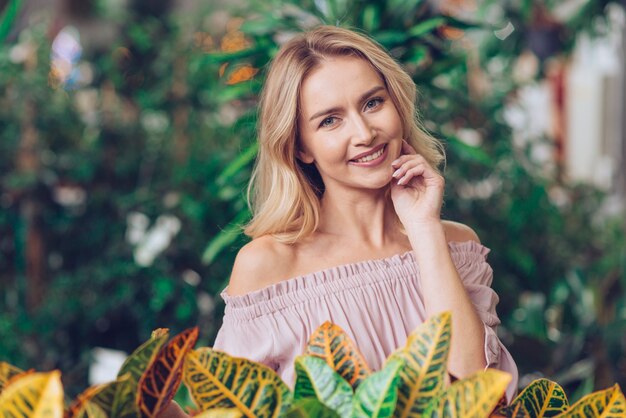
477,276
245,336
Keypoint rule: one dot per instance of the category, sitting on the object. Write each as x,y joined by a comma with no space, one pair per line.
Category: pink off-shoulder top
377,302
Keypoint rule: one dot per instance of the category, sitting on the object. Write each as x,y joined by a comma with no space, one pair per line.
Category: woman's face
349,126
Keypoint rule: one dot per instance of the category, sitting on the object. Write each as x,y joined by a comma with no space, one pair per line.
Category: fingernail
396,173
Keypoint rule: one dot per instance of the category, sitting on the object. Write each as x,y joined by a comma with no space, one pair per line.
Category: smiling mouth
372,156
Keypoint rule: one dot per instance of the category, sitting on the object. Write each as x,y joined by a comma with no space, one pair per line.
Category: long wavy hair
284,193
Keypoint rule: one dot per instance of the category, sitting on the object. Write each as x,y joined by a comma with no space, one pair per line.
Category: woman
346,226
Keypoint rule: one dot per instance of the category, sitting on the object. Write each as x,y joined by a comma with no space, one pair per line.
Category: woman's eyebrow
364,96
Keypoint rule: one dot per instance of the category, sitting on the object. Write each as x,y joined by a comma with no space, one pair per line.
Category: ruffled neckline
461,253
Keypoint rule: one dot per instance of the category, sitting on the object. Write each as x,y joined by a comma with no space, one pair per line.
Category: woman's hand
417,189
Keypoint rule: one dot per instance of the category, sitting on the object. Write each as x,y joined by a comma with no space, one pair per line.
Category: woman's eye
328,121
372,103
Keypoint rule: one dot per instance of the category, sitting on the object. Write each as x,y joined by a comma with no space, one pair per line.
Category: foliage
155,131
224,386
556,256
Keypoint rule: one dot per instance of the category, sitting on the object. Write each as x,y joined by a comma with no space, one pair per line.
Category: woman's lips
372,157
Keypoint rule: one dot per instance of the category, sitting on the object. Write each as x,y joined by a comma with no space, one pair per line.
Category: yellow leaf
220,413
426,357
217,380
34,395
608,403
7,371
542,398
473,397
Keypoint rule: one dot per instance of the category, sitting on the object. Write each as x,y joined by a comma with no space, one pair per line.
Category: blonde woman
346,226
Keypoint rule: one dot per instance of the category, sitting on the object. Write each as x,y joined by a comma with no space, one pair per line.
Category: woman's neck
360,216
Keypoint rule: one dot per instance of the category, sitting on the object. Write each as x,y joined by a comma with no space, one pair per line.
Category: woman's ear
304,156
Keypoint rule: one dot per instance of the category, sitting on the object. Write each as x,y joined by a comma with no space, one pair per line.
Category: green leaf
376,397
473,397
316,379
608,403
468,152
371,18
426,357
426,26
8,17
245,158
225,237
310,408
542,398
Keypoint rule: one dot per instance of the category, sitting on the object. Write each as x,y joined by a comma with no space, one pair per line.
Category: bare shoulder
458,232
258,264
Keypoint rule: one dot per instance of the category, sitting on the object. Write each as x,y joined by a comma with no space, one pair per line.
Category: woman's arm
417,197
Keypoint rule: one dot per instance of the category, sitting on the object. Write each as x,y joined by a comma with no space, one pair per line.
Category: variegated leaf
7,371
376,397
310,408
217,380
33,395
124,402
426,357
91,410
220,413
332,344
542,398
137,363
608,403
316,379
473,397
102,396
161,380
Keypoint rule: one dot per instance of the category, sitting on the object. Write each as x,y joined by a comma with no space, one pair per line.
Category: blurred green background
127,134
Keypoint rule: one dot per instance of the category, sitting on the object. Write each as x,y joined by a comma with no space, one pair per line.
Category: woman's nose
363,133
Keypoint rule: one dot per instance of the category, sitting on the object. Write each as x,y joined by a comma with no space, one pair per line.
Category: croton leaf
316,379
220,413
7,371
472,397
124,401
310,408
217,380
161,380
98,400
542,398
377,395
33,395
608,403
332,344
137,363
426,357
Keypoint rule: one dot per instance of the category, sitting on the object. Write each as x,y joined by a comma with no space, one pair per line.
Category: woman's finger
407,148
412,173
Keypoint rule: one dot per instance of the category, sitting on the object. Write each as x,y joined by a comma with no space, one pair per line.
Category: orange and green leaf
608,403
332,344
217,380
473,397
161,380
426,357
33,395
542,398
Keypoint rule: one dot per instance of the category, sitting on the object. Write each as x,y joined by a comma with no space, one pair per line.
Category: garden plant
332,381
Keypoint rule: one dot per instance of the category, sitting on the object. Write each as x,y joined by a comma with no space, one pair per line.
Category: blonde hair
284,193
